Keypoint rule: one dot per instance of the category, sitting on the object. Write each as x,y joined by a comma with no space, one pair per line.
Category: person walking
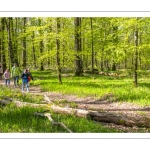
15,73
24,77
7,77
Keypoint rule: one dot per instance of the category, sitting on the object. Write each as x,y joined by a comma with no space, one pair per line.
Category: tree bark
24,54
78,61
41,45
92,45
10,45
135,57
57,51
3,57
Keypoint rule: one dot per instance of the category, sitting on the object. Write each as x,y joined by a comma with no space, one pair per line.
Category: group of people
15,74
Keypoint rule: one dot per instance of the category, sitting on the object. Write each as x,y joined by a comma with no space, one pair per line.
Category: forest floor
103,104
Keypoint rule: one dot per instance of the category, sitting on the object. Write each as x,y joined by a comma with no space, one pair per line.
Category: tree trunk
33,50
24,54
115,41
15,44
116,118
41,45
91,20
10,46
57,52
78,61
135,57
3,57
41,51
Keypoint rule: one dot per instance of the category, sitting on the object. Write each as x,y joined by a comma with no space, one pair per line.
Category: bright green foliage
113,40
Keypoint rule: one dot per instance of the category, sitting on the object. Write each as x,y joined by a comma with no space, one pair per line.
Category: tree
9,22
135,56
41,44
57,50
2,52
24,52
92,44
78,61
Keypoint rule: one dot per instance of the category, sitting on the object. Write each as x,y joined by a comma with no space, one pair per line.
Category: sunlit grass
14,120
97,85
23,120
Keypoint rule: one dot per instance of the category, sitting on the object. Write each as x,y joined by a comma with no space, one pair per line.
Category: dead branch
52,121
103,116
46,98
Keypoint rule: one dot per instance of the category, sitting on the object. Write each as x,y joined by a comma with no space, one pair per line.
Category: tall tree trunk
49,46
41,46
15,43
115,41
33,49
103,44
33,45
41,51
135,56
91,21
57,51
139,53
10,45
3,57
78,61
24,54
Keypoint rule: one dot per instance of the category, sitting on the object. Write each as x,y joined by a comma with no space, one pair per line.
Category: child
24,77
7,77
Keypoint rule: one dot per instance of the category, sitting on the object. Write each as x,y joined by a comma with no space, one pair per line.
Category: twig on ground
52,121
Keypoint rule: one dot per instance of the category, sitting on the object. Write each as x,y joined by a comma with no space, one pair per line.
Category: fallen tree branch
46,98
103,116
52,121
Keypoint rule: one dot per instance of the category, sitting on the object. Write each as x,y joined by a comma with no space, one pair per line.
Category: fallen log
103,116
52,121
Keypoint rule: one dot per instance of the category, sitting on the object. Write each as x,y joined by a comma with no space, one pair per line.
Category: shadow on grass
144,85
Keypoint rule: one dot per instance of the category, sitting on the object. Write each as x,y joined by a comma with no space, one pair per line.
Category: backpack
29,78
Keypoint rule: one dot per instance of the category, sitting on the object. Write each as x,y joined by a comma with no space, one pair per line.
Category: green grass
98,86
23,120
20,120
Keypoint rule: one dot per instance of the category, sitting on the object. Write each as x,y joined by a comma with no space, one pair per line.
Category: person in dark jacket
24,77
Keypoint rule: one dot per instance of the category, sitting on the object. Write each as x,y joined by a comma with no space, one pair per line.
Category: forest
103,59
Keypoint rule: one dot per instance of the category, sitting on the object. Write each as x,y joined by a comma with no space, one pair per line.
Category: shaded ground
107,103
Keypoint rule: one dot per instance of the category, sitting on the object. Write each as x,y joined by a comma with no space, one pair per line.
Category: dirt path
106,103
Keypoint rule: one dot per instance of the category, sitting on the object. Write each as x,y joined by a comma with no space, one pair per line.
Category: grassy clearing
23,120
15,119
97,85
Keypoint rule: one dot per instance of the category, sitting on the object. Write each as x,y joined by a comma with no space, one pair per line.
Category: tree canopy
75,43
